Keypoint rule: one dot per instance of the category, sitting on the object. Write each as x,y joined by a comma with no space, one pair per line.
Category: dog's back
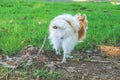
70,20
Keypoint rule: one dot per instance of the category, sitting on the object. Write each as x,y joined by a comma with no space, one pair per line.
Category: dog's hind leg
57,46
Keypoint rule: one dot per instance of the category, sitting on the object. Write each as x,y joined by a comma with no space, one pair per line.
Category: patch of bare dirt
85,65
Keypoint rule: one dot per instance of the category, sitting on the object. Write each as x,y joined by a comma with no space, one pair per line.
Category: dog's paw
63,62
69,56
58,53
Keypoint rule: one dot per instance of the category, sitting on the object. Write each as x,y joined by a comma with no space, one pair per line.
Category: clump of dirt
83,66
29,51
110,50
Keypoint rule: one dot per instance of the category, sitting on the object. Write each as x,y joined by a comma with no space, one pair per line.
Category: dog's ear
78,15
83,17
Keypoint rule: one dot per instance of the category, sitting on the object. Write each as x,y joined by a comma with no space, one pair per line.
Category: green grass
19,23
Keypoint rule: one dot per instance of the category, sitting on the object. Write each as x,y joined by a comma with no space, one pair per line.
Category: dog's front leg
58,51
64,58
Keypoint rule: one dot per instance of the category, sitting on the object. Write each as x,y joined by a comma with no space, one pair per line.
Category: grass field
26,23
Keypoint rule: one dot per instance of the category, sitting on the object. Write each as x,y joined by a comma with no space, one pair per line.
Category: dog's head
82,19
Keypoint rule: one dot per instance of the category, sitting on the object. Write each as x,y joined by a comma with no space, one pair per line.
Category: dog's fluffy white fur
65,31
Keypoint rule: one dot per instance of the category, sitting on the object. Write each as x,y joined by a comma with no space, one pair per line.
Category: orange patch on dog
70,25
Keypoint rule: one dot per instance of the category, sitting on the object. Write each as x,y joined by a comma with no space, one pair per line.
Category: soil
85,65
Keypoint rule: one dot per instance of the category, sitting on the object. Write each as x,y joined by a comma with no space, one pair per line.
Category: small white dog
65,31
